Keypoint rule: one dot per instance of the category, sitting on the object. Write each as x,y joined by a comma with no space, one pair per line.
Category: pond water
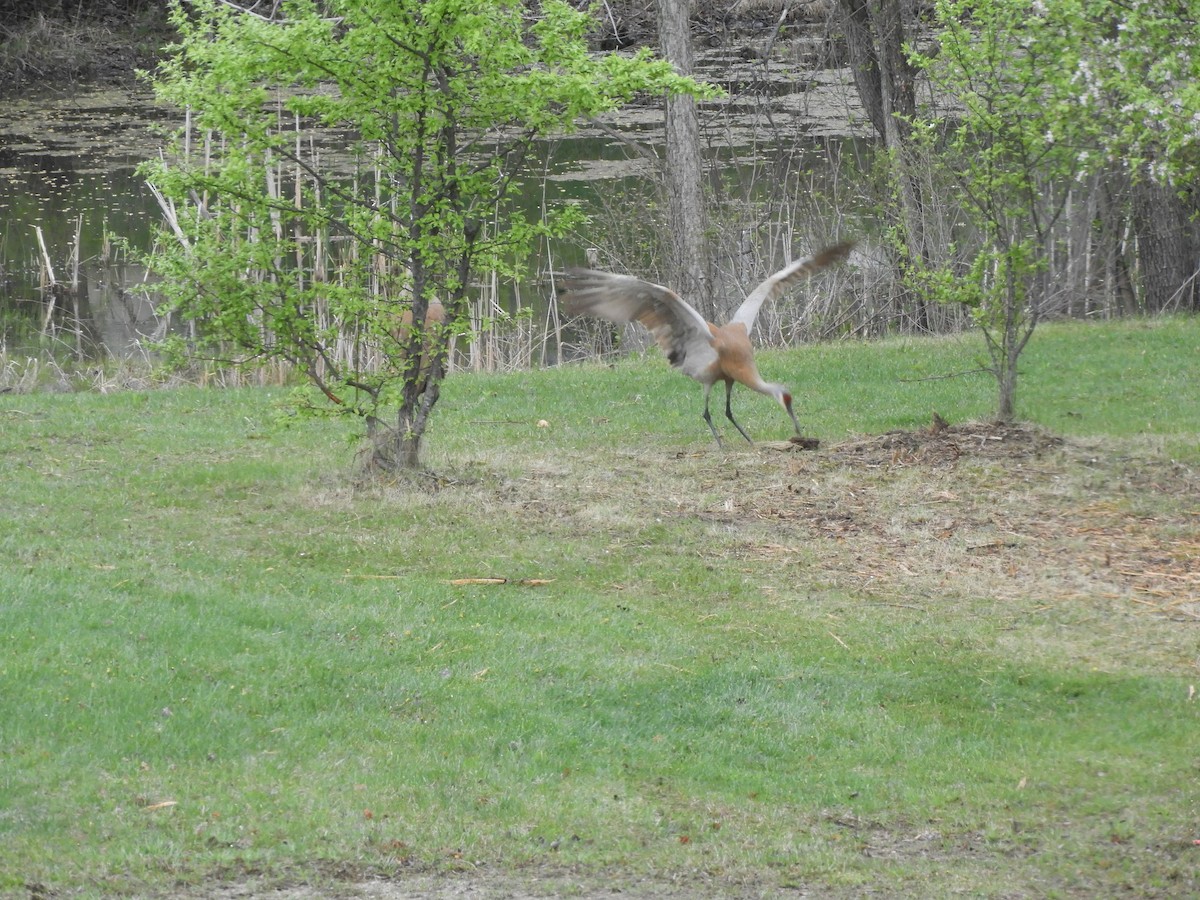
72,207
68,169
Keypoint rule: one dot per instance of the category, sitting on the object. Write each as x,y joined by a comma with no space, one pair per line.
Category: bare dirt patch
942,444
1010,509
536,883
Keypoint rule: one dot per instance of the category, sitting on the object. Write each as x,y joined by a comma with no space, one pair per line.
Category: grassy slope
721,677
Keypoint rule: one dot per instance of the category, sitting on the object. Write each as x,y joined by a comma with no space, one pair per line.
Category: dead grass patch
1000,519
1010,511
942,444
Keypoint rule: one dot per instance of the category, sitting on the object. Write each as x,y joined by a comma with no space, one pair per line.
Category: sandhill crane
435,317
706,352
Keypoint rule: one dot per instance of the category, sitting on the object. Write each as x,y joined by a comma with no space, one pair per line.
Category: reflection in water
67,170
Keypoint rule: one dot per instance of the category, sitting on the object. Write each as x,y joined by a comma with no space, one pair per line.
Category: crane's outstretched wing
785,278
682,333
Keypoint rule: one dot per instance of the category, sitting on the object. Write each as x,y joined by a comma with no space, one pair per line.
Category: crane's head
784,397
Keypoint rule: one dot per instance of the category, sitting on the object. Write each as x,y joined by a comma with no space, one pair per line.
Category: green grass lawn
223,656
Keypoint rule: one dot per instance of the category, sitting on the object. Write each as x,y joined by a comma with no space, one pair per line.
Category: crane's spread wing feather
682,333
785,278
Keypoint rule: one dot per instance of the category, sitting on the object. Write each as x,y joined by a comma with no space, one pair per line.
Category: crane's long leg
729,412
708,416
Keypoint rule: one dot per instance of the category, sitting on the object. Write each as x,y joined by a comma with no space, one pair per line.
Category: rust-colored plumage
706,352
435,318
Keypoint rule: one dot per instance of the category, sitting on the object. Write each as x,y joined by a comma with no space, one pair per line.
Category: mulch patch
942,444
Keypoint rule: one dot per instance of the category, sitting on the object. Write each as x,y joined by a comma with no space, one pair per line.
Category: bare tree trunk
687,244
425,360
1113,279
1006,398
864,60
1168,248
886,83
1017,321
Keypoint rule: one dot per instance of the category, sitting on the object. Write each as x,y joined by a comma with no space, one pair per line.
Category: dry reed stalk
74,253
500,341
73,260
46,279
170,215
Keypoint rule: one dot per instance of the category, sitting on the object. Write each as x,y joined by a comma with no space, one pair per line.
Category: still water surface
68,167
